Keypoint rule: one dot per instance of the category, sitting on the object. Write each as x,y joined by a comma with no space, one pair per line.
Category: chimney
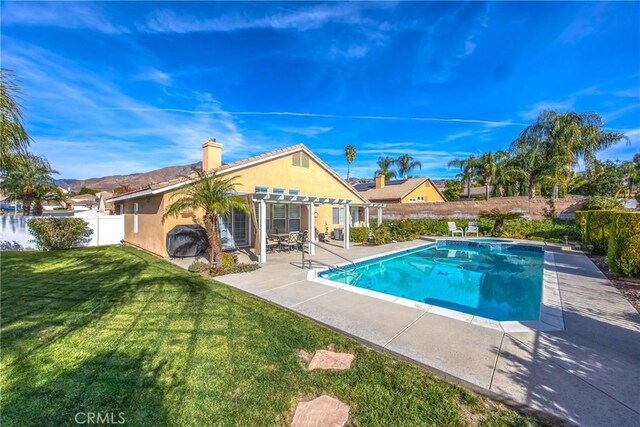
379,181
211,154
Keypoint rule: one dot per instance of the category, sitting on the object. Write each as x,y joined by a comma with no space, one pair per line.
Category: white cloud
306,131
67,15
154,75
533,112
105,141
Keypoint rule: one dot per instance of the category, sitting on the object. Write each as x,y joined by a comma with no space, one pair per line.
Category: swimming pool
499,281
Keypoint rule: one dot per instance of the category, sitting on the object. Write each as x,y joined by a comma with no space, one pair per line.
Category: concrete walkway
587,374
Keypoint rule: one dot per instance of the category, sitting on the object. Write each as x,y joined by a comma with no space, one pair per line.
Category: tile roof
393,190
224,167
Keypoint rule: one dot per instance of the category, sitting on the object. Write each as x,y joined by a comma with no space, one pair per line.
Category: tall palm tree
406,164
486,168
212,196
26,174
529,162
567,137
13,136
350,154
45,192
384,167
467,167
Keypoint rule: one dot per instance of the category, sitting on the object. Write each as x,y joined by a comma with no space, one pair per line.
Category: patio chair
453,229
473,228
302,239
292,241
272,244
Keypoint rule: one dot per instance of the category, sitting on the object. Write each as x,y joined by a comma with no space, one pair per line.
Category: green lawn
116,330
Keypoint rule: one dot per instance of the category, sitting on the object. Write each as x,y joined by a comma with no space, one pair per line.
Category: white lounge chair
473,228
453,229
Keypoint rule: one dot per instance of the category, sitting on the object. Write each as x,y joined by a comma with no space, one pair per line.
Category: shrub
499,217
594,229
229,260
199,267
359,234
597,203
623,254
241,267
59,233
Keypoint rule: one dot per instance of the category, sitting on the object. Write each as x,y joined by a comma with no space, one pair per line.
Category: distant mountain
135,180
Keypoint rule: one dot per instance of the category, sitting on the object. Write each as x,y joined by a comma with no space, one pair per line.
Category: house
104,206
410,190
82,202
290,189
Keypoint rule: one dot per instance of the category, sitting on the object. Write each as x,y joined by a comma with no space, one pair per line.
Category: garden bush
550,230
359,234
623,254
597,203
199,267
594,228
59,233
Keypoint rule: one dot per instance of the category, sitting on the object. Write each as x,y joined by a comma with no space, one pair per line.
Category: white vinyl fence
15,235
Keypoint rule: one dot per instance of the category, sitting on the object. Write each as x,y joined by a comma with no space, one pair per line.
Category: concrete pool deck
587,373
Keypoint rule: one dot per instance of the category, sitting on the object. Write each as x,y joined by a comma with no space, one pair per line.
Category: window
338,216
135,218
260,189
279,218
294,217
278,190
421,198
294,192
300,159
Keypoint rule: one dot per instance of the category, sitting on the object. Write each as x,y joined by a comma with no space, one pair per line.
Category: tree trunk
211,225
26,206
348,170
486,191
532,189
468,188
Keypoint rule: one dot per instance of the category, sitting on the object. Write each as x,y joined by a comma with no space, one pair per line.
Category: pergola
311,202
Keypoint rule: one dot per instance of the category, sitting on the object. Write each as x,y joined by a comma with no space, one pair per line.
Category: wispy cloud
306,131
586,21
330,116
154,75
533,112
109,142
301,19
70,15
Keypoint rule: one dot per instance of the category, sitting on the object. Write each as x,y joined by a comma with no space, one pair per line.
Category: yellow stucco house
410,190
290,189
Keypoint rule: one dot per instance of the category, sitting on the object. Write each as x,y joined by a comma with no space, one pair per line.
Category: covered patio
277,215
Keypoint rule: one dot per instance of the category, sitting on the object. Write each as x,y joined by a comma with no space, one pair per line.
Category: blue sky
116,88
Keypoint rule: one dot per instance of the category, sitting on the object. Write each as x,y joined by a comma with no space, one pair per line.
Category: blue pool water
497,281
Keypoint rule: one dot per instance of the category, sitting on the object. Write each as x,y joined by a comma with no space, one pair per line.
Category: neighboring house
82,202
103,205
475,191
410,190
290,189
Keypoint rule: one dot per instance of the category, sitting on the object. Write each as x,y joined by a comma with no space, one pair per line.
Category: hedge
358,234
623,255
594,227
59,233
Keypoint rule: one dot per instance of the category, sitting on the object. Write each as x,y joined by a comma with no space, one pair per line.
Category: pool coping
551,315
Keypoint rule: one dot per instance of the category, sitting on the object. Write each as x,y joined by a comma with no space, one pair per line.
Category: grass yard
116,330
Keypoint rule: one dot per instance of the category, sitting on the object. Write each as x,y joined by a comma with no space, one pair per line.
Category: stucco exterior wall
425,190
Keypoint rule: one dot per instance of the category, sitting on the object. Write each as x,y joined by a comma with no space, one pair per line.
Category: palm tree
529,163
350,154
45,192
567,137
27,173
384,168
406,164
486,167
499,217
467,167
213,196
13,136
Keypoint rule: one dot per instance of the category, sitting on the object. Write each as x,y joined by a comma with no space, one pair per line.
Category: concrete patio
587,374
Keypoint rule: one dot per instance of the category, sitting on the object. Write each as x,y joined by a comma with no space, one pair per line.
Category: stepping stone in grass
326,359
323,411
